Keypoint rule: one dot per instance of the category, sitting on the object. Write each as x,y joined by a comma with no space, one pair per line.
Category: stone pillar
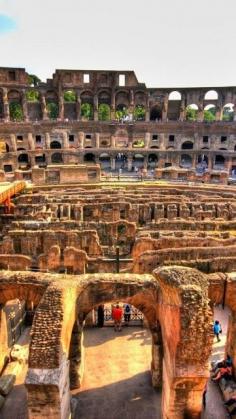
113,106
131,103
129,163
113,163
6,108
182,110
61,211
157,355
65,142
210,162
61,107
47,140
97,136
49,392
31,141
76,356
219,112
44,108
24,106
165,108
81,139
95,111
78,108
147,114
147,139
113,141
200,114
13,142
184,296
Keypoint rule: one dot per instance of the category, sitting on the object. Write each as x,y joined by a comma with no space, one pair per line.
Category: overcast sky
166,42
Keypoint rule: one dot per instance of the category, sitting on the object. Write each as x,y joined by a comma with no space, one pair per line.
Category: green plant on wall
86,111
210,115
16,111
139,113
138,143
104,112
53,110
191,114
121,113
32,96
228,114
70,96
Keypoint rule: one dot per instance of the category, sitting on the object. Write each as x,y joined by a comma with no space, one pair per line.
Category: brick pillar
78,108
44,108
13,142
6,108
24,106
95,105
147,139
61,107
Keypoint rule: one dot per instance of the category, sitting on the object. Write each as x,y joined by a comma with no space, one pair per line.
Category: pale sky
166,42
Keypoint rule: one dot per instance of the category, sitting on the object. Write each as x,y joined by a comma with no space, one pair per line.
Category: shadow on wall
130,398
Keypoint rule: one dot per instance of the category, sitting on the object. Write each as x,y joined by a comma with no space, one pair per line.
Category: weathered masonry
109,118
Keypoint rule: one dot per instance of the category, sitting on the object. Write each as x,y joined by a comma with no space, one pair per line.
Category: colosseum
114,192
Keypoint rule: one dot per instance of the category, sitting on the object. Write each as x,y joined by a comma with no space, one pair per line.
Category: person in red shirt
117,317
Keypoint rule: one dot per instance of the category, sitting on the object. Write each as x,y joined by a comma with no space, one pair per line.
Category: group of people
117,315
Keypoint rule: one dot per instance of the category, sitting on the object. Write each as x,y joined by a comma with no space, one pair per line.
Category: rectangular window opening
88,136
223,139
171,138
86,78
38,138
155,137
71,138
19,137
205,139
121,79
12,75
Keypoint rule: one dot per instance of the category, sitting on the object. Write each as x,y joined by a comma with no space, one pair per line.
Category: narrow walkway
117,381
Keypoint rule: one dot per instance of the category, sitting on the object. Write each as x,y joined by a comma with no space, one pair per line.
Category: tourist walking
127,313
117,317
217,330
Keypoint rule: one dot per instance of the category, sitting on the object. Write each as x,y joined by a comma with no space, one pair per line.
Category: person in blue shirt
217,330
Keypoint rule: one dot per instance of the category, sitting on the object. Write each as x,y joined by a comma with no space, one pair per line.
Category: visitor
224,372
227,362
217,330
100,312
127,313
117,317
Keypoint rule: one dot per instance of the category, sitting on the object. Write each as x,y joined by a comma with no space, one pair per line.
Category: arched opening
219,162
87,109
57,158
209,113
202,163
211,95
105,161
138,161
228,112
186,161
191,112
34,105
23,158
152,161
155,113
174,103
4,147
15,106
121,161
139,113
70,104
55,145
187,145
104,112
89,157
121,112
52,105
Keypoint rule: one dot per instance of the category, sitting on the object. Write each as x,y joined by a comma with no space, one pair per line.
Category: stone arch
192,112
219,161
70,107
55,145
105,160
174,105
187,145
211,95
186,334
186,161
152,160
34,108
210,112
138,160
15,105
51,98
23,158
155,113
89,157
87,105
228,112
57,158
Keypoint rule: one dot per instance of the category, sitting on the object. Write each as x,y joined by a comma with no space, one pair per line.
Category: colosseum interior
112,191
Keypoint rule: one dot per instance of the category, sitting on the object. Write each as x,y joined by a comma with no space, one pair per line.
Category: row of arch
124,107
